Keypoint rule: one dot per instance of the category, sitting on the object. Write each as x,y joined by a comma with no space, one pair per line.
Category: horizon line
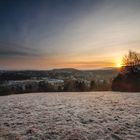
104,68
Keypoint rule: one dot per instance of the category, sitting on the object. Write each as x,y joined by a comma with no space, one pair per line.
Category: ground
70,116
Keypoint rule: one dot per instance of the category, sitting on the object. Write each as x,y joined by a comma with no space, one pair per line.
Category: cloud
13,50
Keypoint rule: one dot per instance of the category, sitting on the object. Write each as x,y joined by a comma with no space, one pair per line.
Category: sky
82,34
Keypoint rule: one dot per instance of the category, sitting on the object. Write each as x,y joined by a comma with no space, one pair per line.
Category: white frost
70,116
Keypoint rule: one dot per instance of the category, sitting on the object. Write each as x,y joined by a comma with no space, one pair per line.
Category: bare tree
131,59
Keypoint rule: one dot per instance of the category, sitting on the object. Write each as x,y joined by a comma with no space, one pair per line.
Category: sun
119,63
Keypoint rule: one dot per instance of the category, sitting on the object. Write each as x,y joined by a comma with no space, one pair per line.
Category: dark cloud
12,50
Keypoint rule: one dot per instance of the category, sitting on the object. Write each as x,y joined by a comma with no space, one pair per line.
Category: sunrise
79,34
69,69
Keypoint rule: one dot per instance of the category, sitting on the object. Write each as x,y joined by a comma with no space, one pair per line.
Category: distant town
56,80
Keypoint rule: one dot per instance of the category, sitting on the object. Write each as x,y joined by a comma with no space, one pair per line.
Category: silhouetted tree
131,59
46,87
74,85
129,77
69,85
92,85
80,86
60,88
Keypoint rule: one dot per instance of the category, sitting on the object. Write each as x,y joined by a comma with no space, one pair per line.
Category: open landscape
70,116
69,69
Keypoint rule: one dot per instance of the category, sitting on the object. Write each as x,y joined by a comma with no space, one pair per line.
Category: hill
67,73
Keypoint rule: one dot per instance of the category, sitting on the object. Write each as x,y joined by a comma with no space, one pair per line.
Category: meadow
70,116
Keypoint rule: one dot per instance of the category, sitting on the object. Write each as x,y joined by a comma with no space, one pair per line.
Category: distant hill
65,70
66,73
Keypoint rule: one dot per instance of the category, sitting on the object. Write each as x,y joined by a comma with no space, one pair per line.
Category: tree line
67,86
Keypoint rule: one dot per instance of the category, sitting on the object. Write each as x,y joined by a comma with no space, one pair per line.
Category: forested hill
58,73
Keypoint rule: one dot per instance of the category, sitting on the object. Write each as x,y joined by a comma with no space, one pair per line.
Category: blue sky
84,34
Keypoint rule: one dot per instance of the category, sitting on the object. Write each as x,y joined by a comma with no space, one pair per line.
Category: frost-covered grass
70,116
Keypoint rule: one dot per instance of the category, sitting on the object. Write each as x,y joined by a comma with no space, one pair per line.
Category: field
70,116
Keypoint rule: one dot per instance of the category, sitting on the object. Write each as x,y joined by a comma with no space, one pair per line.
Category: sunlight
119,63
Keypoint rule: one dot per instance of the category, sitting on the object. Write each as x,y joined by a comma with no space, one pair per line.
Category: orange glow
119,63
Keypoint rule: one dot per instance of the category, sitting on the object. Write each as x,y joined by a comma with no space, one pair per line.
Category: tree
129,78
92,85
69,85
80,86
74,85
131,59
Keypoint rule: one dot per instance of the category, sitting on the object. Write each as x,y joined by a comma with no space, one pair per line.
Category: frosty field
70,116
